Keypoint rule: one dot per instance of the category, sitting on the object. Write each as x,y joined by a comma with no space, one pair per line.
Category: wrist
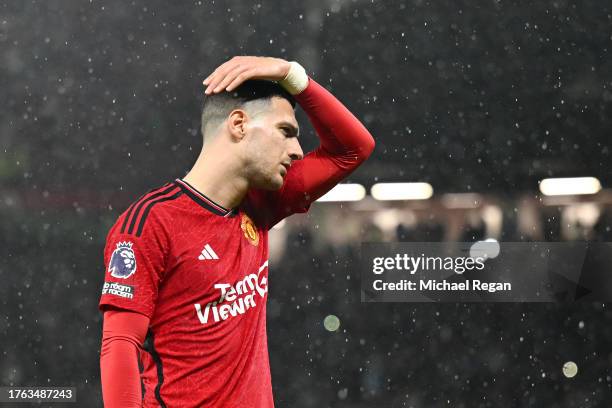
296,79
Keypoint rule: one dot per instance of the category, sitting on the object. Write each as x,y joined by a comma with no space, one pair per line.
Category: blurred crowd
419,355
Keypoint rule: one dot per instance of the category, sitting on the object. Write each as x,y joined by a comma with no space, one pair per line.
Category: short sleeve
134,267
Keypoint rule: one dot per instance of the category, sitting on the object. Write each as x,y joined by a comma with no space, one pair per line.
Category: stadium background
101,101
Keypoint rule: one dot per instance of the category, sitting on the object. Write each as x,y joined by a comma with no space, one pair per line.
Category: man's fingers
210,79
219,81
226,78
232,73
212,74
240,78
205,81
250,73
240,72
221,70
213,82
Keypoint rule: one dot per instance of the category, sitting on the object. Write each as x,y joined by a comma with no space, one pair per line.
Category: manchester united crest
249,229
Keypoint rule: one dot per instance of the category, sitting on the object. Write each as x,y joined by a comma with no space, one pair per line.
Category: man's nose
295,150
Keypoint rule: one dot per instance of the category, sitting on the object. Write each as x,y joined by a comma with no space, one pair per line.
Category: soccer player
186,281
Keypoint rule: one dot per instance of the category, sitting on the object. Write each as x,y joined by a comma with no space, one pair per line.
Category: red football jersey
200,271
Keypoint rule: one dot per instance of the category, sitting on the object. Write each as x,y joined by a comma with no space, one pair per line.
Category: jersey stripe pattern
142,207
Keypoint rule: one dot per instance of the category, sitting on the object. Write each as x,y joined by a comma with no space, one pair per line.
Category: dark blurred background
101,102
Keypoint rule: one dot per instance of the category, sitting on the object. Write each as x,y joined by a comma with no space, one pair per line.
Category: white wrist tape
296,80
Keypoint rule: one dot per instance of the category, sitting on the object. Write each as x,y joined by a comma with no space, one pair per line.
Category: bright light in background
487,249
586,214
461,200
331,323
401,191
344,192
387,220
493,217
570,186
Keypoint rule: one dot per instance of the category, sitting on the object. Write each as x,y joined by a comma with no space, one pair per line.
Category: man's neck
217,178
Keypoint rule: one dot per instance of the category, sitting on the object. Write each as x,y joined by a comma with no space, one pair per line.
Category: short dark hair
218,106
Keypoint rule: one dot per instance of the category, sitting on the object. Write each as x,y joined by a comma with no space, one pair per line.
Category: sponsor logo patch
117,289
123,261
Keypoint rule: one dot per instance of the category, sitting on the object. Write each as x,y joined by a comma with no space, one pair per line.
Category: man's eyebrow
293,131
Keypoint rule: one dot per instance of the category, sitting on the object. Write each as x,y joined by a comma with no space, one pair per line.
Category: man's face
272,144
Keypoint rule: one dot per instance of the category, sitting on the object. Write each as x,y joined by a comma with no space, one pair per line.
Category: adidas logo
208,253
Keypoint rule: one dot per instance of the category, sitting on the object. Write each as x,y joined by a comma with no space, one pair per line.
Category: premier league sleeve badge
123,261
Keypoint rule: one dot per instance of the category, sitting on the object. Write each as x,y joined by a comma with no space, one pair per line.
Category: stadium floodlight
344,192
401,191
461,200
570,186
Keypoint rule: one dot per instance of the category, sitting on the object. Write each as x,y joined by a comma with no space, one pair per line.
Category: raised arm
344,142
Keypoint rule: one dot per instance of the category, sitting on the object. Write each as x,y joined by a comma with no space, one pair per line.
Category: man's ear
236,123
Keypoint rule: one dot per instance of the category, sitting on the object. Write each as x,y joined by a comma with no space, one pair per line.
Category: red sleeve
122,338
344,144
134,266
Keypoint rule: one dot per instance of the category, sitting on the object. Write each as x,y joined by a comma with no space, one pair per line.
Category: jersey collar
204,201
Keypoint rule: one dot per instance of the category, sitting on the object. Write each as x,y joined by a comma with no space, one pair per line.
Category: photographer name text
441,285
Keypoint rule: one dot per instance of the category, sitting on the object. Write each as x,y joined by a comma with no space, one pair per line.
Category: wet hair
218,106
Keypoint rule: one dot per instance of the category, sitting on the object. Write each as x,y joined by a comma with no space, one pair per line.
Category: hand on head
229,75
